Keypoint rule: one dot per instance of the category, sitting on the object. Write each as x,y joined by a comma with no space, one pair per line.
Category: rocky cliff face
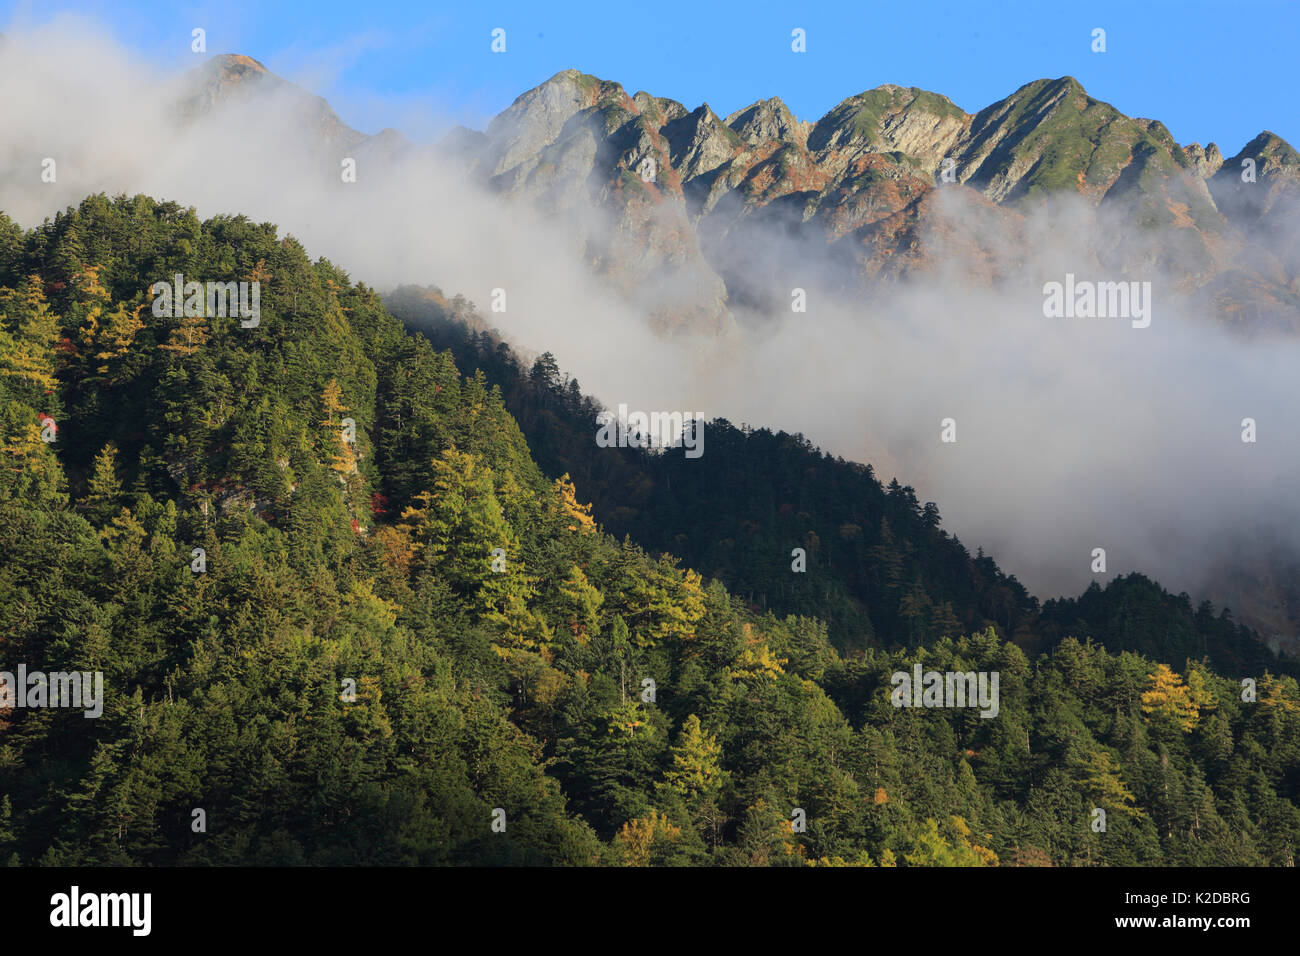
611,167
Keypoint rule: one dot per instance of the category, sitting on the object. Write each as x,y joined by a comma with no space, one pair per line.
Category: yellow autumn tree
261,275
1168,699
395,547
332,402
104,333
862,859
949,845
756,659
520,628
116,336
696,773
342,457
666,602
581,603
29,332
88,302
577,516
1199,689
22,448
1278,694
636,839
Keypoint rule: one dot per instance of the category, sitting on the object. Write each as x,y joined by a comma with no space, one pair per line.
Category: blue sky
1210,71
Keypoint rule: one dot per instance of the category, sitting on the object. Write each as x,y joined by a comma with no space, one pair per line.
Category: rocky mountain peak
232,79
534,120
1205,160
693,200
657,109
237,65
892,118
1270,152
700,142
1259,189
768,120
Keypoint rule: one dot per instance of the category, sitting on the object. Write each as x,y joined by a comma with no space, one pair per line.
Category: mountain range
704,214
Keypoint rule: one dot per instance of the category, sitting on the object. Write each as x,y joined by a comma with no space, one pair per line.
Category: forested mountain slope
881,570
340,610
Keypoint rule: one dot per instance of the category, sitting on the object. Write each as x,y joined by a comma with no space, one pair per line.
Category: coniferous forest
364,592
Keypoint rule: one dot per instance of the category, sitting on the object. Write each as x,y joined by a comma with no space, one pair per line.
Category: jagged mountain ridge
864,178
699,207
